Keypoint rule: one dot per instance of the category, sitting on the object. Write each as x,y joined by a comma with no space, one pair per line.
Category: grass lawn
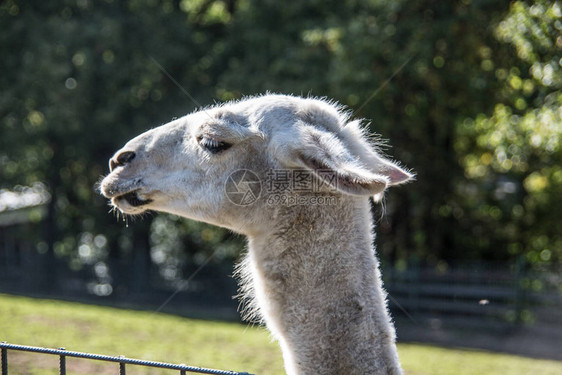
168,338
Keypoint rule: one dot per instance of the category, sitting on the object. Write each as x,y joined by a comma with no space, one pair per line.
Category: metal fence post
122,369
4,360
62,363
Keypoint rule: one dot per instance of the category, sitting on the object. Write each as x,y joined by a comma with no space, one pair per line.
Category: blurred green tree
512,155
83,78
468,92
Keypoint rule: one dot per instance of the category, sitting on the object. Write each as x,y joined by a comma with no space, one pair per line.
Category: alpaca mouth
132,198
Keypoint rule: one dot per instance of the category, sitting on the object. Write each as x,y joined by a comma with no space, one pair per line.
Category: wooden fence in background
483,295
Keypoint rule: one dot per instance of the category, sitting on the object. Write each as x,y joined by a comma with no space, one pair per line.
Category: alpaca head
199,165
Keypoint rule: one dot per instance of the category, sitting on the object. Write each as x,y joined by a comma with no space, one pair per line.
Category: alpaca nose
121,159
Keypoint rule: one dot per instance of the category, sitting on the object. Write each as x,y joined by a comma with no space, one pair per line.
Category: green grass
168,338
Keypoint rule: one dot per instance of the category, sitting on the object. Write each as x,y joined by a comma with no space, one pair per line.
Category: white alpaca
310,270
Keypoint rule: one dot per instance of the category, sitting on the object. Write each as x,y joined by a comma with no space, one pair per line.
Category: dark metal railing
122,361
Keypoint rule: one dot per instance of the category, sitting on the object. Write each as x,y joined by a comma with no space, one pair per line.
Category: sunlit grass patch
169,338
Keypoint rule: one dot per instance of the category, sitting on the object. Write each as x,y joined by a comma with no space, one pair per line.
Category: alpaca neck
317,285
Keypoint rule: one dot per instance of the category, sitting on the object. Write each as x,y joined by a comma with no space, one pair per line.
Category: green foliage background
468,93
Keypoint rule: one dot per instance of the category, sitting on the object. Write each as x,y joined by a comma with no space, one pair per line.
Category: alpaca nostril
121,159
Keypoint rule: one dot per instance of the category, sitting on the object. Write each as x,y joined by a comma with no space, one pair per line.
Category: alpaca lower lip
133,199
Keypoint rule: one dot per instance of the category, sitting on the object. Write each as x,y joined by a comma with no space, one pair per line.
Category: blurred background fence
479,295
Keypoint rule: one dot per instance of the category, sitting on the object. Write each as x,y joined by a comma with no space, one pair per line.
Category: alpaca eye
213,146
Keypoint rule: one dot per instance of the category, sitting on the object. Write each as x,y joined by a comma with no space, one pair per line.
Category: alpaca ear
358,145
390,170
344,177
355,169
